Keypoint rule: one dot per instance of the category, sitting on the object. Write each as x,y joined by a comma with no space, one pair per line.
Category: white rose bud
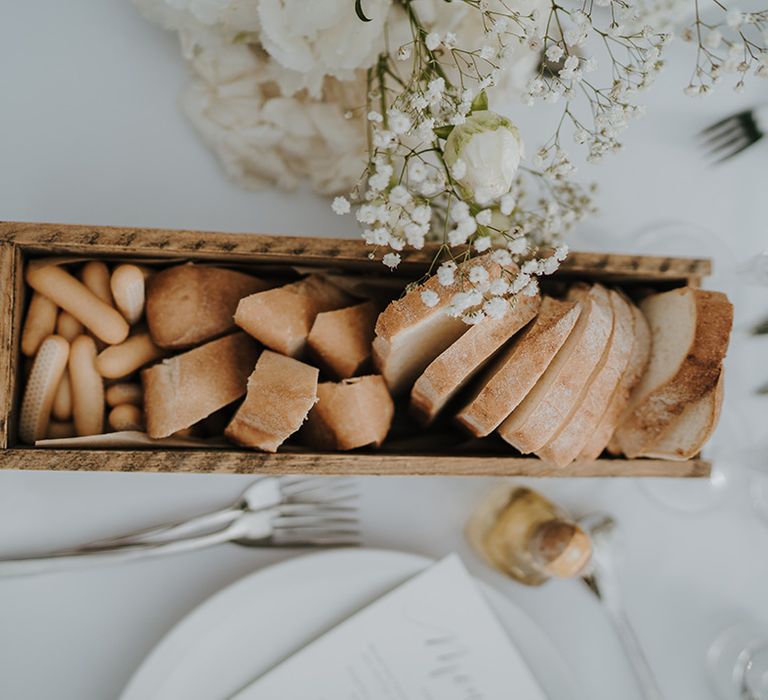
490,147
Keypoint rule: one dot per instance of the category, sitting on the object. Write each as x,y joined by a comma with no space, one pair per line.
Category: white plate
245,629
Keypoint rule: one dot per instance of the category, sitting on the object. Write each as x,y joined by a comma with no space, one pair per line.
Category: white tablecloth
90,133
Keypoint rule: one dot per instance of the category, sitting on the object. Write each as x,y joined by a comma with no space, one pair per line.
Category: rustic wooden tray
21,241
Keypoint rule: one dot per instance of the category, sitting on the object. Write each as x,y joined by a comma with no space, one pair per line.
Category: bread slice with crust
690,329
448,373
513,374
596,395
281,392
598,440
689,432
282,318
554,397
410,334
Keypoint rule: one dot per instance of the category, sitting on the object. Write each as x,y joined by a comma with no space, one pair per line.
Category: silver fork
298,492
310,523
735,133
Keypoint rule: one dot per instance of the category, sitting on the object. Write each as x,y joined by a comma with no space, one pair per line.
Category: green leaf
443,132
359,11
480,103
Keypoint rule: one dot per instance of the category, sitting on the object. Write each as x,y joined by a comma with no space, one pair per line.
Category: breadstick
60,430
127,286
87,387
120,360
126,416
39,324
73,296
49,365
62,401
67,326
124,392
95,276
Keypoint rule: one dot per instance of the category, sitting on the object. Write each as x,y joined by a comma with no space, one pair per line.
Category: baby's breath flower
430,298
484,217
341,206
482,243
446,273
496,308
391,260
432,41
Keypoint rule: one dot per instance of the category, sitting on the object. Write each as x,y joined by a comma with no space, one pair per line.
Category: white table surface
90,133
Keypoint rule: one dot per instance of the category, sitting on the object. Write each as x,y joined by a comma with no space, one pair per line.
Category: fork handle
164,533
65,560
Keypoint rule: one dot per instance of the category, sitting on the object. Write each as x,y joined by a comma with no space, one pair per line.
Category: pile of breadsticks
84,336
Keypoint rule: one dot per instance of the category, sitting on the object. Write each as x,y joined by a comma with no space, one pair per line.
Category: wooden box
20,242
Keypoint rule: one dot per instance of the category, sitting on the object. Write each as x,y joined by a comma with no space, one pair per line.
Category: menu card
432,638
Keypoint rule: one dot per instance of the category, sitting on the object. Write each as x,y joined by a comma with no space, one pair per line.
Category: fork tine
723,122
747,143
717,139
314,483
725,146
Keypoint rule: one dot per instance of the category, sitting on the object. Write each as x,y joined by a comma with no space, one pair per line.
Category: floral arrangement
386,105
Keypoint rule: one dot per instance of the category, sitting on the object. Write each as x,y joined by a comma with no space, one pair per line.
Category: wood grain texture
53,239
329,464
10,333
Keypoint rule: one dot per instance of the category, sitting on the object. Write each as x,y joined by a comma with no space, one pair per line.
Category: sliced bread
690,329
190,304
687,434
410,334
450,371
282,318
182,390
597,393
349,414
513,374
341,340
638,361
281,392
549,404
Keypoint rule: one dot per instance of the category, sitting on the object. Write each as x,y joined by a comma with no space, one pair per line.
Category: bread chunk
190,304
281,392
282,318
182,390
341,340
349,414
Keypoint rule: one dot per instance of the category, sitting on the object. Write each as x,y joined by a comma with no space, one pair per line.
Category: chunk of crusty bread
510,377
190,304
554,397
282,318
690,329
281,392
450,371
596,395
598,440
348,414
184,389
410,334
686,435
341,340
